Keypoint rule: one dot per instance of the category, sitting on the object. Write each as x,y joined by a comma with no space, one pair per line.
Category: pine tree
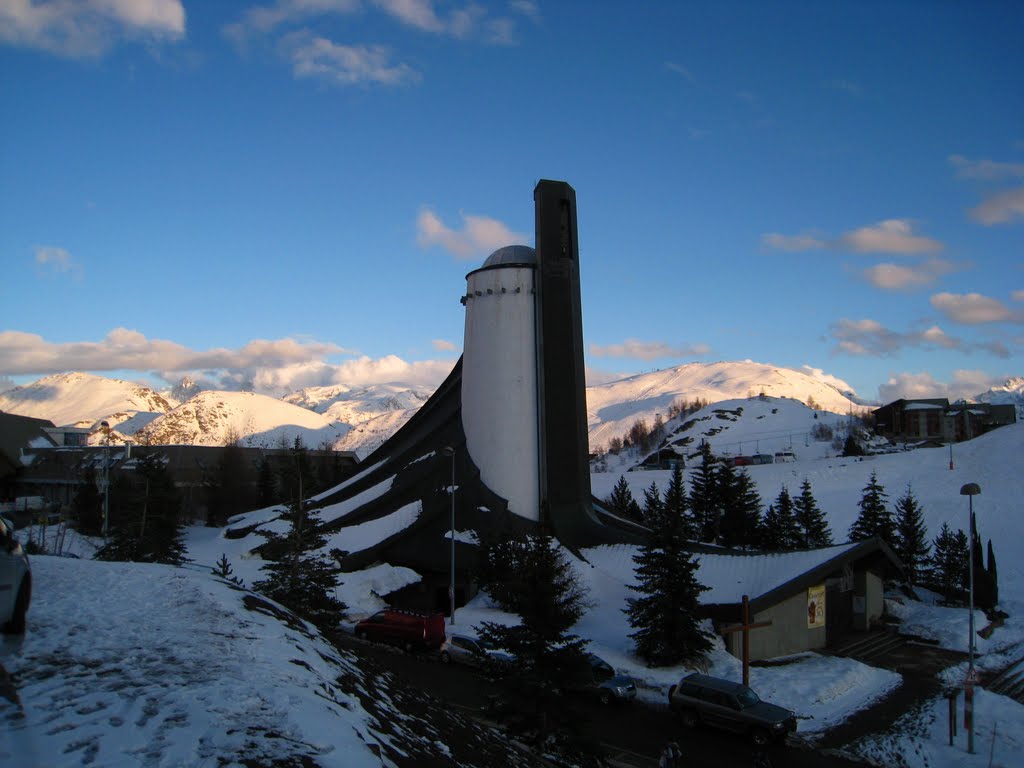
229,490
779,531
993,572
146,525
88,505
874,519
300,575
984,587
665,617
622,503
222,570
654,508
704,497
266,483
911,543
677,505
540,587
741,515
949,568
814,528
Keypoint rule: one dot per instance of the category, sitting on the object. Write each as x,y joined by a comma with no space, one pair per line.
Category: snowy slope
214,417
83,399
367,436
351,405
130,664
612,408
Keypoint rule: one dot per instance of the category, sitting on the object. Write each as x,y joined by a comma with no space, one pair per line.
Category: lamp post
450,451
970,490
105,426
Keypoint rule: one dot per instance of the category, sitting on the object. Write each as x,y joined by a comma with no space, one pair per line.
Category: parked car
15,581
598,678
464,649
408,629
733,706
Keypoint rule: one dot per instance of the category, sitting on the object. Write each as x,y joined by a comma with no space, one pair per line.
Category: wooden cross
745,626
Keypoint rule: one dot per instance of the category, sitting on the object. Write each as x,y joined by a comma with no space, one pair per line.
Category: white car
474,652
15,581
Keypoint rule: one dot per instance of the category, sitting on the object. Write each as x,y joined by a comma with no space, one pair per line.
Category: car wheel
446,657
760,737
407,646
362,636
689,718
16,626
605,697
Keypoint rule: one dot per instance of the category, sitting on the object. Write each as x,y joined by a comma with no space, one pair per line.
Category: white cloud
1001,207
28,353
965,384
827,378
88,28
895,236
793,243
890,236
985,170
273,367
1017,295
441,345
647,350
344,65
679,69
869,338
974,309
479,235
527,8
900,277
415,13
58,260
263,19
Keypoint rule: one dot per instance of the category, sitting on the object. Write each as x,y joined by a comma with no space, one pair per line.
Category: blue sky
282,194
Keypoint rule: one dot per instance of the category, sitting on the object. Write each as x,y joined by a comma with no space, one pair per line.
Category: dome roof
511,254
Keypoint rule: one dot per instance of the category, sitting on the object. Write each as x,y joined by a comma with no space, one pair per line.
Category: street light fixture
450,451
105,426
970,490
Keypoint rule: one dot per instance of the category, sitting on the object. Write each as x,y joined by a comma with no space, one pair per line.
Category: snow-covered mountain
356,405
613,408
215,418
1010,393
82,399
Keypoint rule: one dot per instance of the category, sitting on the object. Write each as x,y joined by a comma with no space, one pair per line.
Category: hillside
612,408
83,399
214,418
356,405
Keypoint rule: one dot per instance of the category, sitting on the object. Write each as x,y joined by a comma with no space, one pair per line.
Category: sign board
816,606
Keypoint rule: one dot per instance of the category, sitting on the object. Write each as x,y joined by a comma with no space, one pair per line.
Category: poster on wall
816,607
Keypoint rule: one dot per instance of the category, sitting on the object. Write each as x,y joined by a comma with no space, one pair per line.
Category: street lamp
970,490
450,451
105,426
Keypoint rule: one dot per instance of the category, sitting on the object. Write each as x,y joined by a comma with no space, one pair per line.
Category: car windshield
747,698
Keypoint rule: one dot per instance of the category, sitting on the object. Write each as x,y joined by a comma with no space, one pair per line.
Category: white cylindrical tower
499,377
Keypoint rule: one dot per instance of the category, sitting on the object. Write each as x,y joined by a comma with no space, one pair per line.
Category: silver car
15,581
464,649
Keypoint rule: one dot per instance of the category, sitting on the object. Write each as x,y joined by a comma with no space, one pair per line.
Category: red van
408,629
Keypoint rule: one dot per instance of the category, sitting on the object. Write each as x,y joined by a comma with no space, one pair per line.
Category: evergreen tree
814,528
984,586
300,575
622,503
704,497
146,525
540,587
851,447
874,519
654,508
677,506
779,531
993,573
665,617
223,570
911,544
741,510
266,483
88,505
948,574
229,491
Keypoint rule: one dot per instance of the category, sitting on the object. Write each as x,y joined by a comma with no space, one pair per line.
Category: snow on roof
356,538
358,476
342,508
923,407
728,576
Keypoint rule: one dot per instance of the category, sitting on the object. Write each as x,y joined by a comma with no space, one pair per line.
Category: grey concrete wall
788,633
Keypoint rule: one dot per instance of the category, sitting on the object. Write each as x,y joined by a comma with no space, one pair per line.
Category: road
632,735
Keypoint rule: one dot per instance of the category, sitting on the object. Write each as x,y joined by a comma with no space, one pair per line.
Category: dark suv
732,706
408,629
